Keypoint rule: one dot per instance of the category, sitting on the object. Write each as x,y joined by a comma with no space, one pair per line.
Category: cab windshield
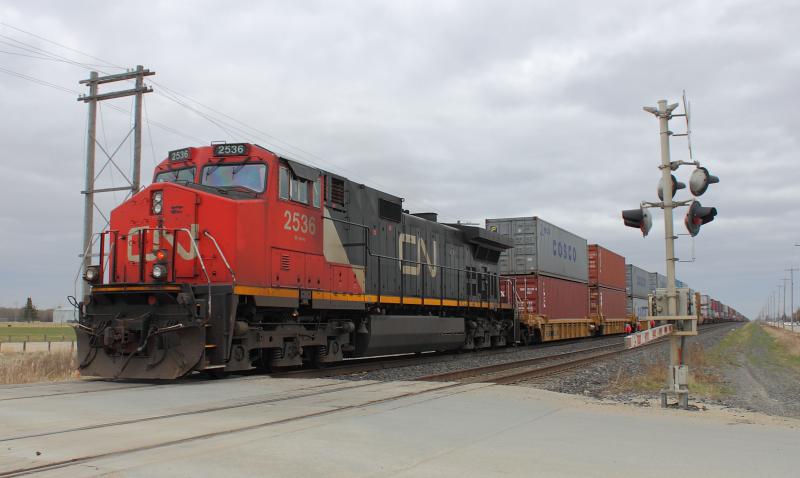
185,175
249,176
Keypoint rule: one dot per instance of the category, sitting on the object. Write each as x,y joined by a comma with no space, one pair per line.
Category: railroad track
535,368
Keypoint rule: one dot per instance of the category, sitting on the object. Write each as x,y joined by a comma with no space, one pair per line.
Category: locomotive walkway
264,426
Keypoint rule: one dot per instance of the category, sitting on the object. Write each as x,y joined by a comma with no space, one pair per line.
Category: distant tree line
28,313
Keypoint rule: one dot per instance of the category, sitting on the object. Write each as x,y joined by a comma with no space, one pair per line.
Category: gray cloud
471,109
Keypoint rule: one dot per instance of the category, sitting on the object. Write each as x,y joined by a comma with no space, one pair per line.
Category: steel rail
478,372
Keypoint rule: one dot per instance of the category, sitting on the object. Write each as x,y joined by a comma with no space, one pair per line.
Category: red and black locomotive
237,258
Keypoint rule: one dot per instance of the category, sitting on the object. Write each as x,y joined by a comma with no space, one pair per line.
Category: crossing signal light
697,216
675,186
699,181
638,218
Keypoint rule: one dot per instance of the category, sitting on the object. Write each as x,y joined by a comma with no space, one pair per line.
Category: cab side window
297,189
283,189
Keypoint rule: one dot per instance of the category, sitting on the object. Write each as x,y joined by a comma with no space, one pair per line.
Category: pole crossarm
129,75
661,205
107,190
115,94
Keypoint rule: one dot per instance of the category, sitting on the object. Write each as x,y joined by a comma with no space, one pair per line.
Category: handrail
222,255
231,323
199,258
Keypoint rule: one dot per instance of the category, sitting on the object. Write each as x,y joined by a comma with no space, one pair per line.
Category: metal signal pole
91,145
683,322
676,343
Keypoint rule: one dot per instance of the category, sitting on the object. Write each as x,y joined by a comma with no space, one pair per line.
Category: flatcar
237,258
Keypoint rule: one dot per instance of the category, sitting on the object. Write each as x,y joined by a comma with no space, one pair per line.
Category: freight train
237,258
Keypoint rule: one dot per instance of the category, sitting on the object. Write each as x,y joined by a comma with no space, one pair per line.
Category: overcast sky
469,109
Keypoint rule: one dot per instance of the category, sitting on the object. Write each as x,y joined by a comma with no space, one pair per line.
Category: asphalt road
261,426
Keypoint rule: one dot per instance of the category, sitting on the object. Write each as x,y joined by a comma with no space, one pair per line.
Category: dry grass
703,380
789,340
37,367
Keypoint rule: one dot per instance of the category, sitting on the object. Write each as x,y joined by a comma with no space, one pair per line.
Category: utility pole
88,203
91,145
791,286
783,317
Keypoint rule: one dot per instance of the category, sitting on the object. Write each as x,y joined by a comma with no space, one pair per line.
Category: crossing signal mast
697,215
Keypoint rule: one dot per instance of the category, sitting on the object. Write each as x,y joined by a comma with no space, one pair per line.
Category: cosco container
549,296
606,268
637,282
637,307
610,303
541,248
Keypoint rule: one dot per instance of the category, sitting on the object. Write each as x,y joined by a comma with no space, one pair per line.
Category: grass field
35,333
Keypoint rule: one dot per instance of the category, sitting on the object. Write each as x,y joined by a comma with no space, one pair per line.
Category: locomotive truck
237,258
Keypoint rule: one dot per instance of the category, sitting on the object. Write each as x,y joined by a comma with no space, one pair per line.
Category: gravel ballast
479,359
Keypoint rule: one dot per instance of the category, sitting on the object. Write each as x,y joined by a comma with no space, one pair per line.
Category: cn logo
157,235
422,255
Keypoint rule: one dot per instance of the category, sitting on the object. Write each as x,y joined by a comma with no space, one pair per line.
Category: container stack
607,288
546,271
657,281
705,309
637,287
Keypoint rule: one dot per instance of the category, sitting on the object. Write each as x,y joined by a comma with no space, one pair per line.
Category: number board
236,149
180,154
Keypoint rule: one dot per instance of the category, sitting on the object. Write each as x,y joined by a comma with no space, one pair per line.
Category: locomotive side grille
286,262
337,191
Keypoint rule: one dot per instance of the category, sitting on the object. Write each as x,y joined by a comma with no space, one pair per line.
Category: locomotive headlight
159,272
91,274
157,202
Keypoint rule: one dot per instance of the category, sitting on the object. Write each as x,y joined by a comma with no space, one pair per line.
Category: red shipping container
549,296
606,268
610,303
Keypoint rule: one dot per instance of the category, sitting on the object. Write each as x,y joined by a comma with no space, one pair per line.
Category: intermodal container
606,268
716,312
549,296
657,281
637,282
610,303
540,248
637,307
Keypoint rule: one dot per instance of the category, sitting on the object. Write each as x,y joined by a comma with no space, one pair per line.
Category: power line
227,127
59,44
39,57
38,81
27,47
